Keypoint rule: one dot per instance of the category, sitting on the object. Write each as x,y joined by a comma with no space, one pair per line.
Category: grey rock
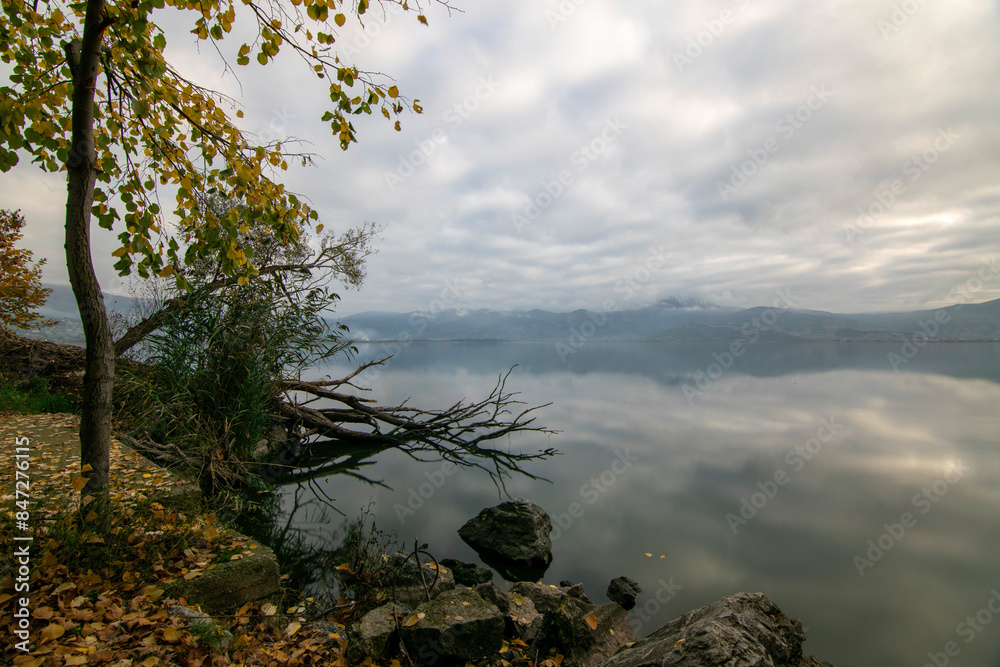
224,589
458,624
205,627
742,630
467,574
566,626
623,591
513,538
576,591
524,620
410,585
374,634
492,594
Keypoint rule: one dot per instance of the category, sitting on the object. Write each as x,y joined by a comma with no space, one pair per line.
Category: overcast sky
588,153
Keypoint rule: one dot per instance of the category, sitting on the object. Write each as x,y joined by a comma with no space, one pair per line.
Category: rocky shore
450,612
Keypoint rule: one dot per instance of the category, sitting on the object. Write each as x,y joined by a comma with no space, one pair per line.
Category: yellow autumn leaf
292,628
592,621
413,620
76,660
209,532
268,609
648,555
340,20
86,468
166,271
393,91
79,483
171,634
53,631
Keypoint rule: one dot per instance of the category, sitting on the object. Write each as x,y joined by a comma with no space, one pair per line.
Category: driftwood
346,424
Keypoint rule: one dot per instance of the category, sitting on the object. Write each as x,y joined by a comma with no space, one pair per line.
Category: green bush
32,396
210,379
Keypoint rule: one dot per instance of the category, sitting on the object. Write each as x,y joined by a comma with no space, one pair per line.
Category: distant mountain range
669,320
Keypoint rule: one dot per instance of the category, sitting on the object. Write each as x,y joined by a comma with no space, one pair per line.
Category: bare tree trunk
99,372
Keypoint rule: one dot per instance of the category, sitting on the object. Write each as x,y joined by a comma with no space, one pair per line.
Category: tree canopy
155,128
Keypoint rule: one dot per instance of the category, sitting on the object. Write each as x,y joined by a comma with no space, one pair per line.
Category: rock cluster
436,621
471,624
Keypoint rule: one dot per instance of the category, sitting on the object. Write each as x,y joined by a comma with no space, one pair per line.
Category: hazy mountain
61,307
488,324
673,319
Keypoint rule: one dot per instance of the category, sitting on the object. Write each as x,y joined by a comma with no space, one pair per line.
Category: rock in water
742,630
623,591
468,574
513,538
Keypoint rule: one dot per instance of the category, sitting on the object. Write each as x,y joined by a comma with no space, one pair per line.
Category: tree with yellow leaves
90,91
21,288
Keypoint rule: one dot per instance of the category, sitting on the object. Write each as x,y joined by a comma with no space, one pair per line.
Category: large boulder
512,538
457,625
742,630
585,634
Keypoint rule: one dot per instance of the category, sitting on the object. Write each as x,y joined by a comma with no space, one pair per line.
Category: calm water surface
774,478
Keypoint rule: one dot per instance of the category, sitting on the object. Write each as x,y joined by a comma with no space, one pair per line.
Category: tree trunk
99,371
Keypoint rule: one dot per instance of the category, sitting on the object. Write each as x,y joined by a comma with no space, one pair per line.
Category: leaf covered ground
100,600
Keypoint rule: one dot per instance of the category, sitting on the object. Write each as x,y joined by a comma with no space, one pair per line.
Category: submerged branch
459,434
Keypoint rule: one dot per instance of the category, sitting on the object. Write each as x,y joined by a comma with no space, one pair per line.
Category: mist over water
862,500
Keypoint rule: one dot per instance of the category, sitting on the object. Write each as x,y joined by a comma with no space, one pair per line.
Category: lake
863,499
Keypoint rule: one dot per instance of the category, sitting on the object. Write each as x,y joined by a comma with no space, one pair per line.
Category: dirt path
54,450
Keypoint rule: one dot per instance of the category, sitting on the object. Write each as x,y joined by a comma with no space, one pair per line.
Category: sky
606,155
